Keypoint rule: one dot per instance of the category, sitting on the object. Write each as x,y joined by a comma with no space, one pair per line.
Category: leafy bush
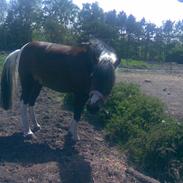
138,124
163,154
131,112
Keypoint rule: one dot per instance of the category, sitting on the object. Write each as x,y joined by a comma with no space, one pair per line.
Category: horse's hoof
30,136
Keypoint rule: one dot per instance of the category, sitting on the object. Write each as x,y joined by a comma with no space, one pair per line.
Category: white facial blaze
109,56
94,98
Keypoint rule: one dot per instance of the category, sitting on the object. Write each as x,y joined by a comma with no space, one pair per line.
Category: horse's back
56,66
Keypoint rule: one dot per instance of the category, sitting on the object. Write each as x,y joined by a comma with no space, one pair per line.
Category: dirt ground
168,86
52,157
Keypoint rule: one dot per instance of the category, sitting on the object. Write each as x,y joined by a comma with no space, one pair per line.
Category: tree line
61,21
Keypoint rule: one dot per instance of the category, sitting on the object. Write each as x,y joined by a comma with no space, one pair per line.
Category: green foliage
163,155
176,54
138,124
134,64
19,21
3,9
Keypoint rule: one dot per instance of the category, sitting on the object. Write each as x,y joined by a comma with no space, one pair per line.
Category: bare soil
53,157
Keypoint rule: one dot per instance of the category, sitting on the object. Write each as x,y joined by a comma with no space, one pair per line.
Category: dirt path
168,87
53,158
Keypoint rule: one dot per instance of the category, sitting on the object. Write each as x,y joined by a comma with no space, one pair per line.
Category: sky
154,11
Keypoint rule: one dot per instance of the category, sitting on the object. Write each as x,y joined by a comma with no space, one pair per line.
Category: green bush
131,112
138,124
163,154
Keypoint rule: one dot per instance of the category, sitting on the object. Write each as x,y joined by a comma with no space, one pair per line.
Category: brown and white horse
86,71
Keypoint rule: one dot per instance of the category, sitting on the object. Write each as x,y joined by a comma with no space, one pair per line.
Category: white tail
9,79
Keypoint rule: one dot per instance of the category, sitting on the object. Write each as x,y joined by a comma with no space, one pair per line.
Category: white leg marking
25,121
73,130
33,119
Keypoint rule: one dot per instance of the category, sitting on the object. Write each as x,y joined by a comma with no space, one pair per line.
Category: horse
87,71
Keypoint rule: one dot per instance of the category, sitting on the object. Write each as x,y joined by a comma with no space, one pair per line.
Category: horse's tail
9,79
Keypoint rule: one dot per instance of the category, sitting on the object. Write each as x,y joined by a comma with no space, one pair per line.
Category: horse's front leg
79,103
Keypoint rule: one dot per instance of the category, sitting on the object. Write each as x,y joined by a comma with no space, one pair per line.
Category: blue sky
154,11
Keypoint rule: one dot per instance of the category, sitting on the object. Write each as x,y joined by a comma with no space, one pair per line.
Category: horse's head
102,81
103,75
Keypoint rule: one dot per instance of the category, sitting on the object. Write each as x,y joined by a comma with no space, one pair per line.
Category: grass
2,58
134,64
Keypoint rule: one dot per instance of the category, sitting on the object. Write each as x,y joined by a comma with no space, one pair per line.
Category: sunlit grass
134,64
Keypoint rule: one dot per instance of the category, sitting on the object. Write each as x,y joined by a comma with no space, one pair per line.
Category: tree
59,17
3,11
91,21
19,22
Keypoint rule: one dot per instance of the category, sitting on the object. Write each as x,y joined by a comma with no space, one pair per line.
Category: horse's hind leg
24,119
33,119
34,94
30,91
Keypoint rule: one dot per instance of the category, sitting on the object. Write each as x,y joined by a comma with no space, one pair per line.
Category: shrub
163,156
138,124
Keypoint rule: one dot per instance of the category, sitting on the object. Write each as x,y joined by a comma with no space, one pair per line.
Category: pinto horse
87,71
